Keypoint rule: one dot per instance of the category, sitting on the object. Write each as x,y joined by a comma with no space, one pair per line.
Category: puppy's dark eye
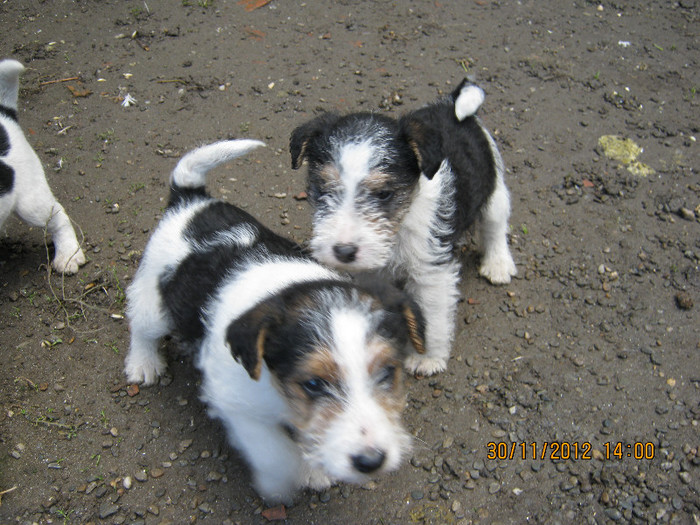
384,195
387,375
316,387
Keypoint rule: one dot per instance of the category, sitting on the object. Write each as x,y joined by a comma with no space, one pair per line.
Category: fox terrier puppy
399,194
23,186
302,365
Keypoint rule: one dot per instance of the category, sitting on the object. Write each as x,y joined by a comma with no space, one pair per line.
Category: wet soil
572,394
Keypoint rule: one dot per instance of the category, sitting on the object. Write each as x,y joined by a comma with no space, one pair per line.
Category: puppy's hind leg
148,323
434,287
37,206
497,263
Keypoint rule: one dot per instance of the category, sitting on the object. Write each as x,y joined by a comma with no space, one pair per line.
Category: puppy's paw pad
68,263
422,365
146,371
498,271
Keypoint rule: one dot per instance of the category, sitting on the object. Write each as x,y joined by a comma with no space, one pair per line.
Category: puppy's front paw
498,270
68,262
144,370
317,480
425,365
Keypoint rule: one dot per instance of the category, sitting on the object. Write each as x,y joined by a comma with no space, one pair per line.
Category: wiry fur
23,186
299,363
399,194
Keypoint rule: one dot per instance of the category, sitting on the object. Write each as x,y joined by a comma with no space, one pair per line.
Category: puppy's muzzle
369,461
345,253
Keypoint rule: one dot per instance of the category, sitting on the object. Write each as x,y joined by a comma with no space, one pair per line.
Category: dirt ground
572,394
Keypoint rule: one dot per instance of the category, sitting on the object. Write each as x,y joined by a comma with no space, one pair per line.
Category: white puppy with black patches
23,186
301,365
399,194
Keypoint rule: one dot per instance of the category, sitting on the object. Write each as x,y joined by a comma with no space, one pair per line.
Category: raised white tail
191,171
468,101
9,82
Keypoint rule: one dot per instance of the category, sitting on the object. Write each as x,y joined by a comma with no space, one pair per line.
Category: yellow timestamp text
569,450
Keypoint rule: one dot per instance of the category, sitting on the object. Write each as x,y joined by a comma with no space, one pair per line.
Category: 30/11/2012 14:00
565,450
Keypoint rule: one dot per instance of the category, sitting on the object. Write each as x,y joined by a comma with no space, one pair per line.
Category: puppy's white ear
304,136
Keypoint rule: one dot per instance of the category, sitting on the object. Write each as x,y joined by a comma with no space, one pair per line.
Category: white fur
31,198
149,320
192,169
433,286
468,101
497,263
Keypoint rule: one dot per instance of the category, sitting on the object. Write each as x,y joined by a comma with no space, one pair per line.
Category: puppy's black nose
369,461
345,253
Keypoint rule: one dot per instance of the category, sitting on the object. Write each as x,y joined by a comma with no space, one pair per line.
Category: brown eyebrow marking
320,363
376,180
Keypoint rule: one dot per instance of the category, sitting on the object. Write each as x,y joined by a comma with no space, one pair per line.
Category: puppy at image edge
23,186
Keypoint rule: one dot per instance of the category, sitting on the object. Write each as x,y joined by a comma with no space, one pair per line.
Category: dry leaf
277,513
256,34
252,5
79,93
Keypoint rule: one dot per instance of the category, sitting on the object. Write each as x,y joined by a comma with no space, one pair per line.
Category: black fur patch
7,178
466,146
187,288
4,141
8,112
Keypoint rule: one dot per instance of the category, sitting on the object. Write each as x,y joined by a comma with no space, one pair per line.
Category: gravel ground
572,395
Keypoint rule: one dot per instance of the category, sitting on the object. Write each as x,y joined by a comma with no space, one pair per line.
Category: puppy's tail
468,98
190,174
9,83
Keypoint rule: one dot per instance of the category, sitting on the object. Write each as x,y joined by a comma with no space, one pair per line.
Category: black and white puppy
399,194
302,365
23,186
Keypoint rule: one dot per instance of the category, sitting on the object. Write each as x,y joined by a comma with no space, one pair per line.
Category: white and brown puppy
303,366
398,195
23,186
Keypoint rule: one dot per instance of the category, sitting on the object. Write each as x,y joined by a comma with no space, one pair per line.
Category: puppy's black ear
425,141
405,312
247,336
303,136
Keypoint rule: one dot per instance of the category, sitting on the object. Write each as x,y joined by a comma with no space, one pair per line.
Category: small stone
685,477
157,473
494,487
141,476
684,301
127,482
184,445
613,514
417,495
213,476
685,213
114,432
108,509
